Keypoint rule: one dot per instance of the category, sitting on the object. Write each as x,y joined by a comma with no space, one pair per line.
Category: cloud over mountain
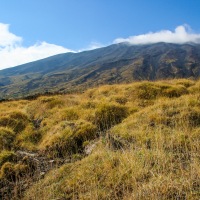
182,34
12,51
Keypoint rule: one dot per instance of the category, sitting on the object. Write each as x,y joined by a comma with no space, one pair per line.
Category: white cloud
7,38
13,53
182,34
92,46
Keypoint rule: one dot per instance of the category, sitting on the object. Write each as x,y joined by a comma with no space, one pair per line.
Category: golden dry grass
145,138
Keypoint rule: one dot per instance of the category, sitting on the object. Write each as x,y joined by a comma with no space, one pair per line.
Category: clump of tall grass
108,115
69,138
15,120
6,156
7,137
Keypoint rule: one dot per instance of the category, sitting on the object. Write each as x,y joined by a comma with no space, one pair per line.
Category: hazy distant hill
113,64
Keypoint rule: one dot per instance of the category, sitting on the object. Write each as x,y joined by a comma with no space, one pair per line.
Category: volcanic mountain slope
118,63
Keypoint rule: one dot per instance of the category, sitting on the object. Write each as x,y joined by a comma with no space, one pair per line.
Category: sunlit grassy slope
131,141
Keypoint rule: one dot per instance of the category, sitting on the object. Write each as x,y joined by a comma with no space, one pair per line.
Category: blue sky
74,25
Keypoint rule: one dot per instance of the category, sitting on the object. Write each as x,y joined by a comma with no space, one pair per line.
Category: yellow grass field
126,141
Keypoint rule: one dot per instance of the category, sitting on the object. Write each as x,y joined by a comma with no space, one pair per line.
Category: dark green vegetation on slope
130,141
119,63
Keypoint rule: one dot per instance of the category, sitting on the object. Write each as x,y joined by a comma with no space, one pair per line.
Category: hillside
123,141
118,63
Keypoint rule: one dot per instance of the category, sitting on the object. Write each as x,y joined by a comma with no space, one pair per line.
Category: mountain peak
117,63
